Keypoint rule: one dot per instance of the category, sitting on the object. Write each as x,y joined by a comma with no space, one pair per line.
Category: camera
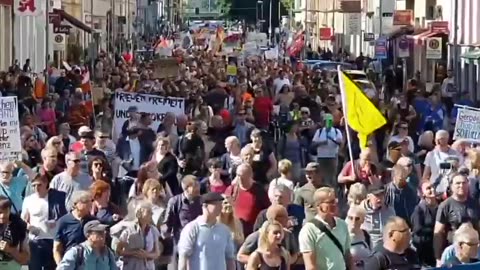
445,166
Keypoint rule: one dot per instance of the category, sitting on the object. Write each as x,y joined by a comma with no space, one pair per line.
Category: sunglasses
352,218
75,160
103,137
98,164
56,143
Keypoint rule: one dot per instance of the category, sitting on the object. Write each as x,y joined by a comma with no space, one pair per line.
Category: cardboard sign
467,126
165,68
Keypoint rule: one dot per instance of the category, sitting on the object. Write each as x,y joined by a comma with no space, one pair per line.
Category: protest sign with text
156,106
10,145
467,126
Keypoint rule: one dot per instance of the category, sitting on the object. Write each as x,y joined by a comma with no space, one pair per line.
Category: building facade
6,34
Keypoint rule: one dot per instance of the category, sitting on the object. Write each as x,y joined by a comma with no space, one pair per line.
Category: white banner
467,126
354,23
10,145
156,106
434,48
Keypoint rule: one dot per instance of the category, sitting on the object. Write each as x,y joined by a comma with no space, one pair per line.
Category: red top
263,107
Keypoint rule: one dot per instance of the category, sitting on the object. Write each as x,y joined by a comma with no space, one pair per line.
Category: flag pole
344,110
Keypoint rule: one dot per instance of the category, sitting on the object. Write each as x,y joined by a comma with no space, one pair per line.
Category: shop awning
73,21
472,55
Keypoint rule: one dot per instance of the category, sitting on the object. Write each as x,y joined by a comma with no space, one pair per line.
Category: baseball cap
394,145
312,166
94,226
376,189
84,129
211,197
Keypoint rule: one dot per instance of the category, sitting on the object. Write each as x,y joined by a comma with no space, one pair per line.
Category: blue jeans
41,255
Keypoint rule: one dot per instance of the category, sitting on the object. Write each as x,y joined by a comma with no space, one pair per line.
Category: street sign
59,42
403,46
434,48
351,6
403,17
354,23
381,48
61,29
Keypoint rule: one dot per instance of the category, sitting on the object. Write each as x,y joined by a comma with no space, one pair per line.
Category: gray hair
465,233
80,196
135,206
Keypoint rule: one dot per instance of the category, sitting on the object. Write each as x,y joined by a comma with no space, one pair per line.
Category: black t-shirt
453,213
383,259
14,234
261,164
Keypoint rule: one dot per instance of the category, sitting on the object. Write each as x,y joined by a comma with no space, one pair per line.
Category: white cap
84,129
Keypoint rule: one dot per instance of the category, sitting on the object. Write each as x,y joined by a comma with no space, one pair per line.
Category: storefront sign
434,48
326,33
351,6
403,48
368,37
26,7
381,48
439,27
403,17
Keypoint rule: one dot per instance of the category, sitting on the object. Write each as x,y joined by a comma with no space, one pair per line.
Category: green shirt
10,265
304,198
327,255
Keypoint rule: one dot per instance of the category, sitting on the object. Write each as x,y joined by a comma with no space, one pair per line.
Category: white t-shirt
279,83
435,157
37,210
280,181
329,150
448,87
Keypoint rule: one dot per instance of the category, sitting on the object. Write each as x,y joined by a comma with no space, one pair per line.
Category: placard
165,68
10,145
156,106
232,74
467,126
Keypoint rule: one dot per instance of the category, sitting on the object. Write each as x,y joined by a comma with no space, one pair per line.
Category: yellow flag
360,113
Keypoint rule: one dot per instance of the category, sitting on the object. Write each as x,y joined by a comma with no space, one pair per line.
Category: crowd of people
255,175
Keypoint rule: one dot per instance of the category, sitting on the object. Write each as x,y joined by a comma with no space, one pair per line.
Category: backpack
80,259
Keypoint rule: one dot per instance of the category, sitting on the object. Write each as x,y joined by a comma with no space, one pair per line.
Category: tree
225,6
289,5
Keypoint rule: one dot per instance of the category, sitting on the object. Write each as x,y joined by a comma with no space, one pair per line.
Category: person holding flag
360,114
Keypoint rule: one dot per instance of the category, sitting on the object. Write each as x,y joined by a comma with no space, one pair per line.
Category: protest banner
10,145
165,68
467,126
156,106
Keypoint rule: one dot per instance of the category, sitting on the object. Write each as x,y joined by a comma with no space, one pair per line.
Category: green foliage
225,6
288,4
